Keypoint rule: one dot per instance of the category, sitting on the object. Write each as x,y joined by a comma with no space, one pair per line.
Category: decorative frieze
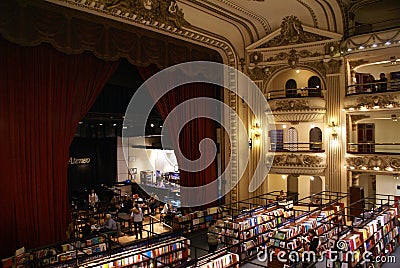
374,162
306,164
373,101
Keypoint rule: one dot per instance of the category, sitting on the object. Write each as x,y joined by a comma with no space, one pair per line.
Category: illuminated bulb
297,71
376,107
361,47
352,167
351,109
114,125
374,45
312,178
388,43
349,49
100,124
312,126
152,125
284,126
284,177
376,168
390,169
363,108
364,168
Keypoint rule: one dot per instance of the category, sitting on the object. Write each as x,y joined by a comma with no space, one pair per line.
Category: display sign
78,161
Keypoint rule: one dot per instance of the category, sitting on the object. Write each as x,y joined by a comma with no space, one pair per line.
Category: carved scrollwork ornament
333,66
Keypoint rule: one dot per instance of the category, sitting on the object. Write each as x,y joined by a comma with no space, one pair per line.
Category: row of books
228,260
156,255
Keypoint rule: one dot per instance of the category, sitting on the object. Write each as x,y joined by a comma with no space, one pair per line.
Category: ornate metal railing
373,148
295,93
366,28
296,147
369,88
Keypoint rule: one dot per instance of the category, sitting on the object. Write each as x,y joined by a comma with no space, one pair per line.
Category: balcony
301,164
311,147
298,105
373,88
373,148
295,93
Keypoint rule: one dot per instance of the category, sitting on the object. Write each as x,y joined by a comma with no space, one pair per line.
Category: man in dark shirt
382,85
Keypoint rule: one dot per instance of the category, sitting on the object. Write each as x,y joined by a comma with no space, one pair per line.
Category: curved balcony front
297,109
298,164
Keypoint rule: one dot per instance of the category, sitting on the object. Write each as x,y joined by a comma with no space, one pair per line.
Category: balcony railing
296,147
374,148
369,88
373,27
295,93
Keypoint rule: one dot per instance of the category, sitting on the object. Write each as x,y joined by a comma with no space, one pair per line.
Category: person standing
93,198
212,237
137,217
382,82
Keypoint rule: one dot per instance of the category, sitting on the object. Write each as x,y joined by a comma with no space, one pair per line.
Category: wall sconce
256,131
333,130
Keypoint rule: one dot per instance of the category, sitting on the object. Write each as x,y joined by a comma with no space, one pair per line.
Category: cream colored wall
304,186
385,184
276,183
279,81
382,135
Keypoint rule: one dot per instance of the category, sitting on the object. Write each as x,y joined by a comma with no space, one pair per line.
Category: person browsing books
213,237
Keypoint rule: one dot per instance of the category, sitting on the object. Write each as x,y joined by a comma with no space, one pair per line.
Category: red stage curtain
43,95
193,132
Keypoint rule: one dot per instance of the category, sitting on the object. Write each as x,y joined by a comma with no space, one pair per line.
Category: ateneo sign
78,161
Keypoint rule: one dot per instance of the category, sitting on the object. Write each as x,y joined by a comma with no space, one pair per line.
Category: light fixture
80,122
152,125
349,49
361,47
388,43
394,118
389,169
284,177
250,143
374,45
297,71
100,124
333,130
257,130
283,126
311,178
376,168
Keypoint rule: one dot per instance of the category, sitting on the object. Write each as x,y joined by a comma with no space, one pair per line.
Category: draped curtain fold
192,133
43,95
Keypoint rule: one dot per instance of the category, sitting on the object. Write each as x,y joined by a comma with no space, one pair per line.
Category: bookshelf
248,231
220,259
376,232
290,236
197,220
62,253
172,252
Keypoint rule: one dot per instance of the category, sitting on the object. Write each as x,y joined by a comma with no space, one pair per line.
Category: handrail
374,87
366,28
295,93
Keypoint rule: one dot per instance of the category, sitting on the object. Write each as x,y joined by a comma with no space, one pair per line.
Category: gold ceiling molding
108,34
292,33
262,20
314,17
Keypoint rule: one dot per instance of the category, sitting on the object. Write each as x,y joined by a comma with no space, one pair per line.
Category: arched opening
293,187
292,139
290,88
316,185
314,86
315,139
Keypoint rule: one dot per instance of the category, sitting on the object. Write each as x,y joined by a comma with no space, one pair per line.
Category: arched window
290,88
292,139
315,139
314,86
